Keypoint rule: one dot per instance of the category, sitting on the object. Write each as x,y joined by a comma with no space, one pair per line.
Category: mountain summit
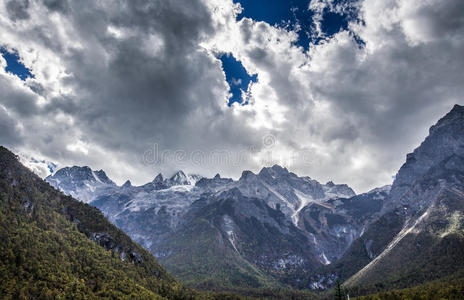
422,223
446,138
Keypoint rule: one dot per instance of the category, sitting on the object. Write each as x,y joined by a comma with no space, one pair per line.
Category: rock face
257,220
333,225
446,138
422,223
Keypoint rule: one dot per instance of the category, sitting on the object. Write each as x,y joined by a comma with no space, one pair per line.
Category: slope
420,236
52,246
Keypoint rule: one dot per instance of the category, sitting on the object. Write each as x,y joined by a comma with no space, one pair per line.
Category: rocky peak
333,190
456,116
101,175
79,175
446,139
279,169
274,171
83,173
158,178
383,189
127,184
179,178
247,176
214,182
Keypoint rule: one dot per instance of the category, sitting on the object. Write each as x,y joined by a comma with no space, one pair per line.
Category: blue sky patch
333,23
14,65
236,76
293,13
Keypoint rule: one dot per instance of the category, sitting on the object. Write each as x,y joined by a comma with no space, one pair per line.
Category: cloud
359,109
17,10
116,81
9,128
40,167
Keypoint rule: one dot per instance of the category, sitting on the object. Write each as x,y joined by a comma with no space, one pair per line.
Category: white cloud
112,81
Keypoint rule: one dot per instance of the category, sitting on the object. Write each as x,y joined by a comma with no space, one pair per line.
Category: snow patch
324,260
304,200
229,229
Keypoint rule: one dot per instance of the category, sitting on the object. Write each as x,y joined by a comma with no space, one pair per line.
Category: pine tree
339,295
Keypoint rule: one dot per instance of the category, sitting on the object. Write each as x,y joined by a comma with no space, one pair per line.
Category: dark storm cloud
17,100
10,135
17,9
138,78
443,18
57,5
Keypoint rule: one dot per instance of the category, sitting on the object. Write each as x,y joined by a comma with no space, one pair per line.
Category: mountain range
266,223
53,246
273,229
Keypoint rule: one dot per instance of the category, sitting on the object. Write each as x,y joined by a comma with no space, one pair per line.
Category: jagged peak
247,175
384,189
217,176
127,184
445,139
458,108
101,175
456,114
74,169
194,178
179,178
81,173
275,169
70,171
159,178
178,174
86,168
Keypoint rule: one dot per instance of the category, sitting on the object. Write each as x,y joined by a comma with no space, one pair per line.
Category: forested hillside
52,246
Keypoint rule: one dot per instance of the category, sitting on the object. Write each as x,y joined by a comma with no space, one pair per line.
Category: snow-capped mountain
275,226
81,182
159,211
333,225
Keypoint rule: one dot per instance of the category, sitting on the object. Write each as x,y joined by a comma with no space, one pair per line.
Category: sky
334,90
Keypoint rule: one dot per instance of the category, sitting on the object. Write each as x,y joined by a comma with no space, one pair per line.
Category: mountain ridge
156,212
341,233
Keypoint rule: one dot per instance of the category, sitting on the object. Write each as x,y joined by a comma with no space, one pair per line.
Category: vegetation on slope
451,287
54,247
